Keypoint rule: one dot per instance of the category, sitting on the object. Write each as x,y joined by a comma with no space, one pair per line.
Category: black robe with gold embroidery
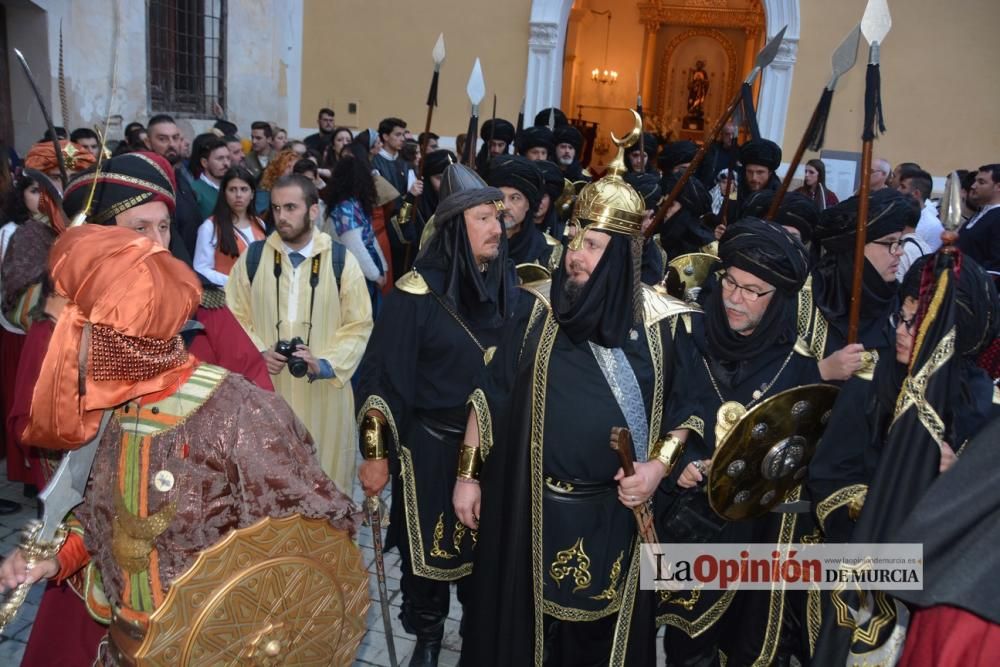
555,542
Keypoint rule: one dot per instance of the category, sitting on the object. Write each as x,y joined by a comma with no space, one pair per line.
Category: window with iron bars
187,56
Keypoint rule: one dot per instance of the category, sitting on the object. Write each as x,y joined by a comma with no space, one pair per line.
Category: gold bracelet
372,440
468,462
667,451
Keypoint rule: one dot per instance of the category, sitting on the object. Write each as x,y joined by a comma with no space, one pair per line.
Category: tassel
873,104
749,114
432,96
817,131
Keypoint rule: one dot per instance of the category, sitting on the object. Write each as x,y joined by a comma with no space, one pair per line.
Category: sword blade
375,520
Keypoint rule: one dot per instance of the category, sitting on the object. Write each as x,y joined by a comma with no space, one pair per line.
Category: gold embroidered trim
776,606
914,389
436,549
667,597
412,513
854,493
694,628
572,561
623,626
611,592
694,423
814,617
481,408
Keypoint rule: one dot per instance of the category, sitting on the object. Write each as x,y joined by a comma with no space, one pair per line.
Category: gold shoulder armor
413,283
658,305
551,240
541,290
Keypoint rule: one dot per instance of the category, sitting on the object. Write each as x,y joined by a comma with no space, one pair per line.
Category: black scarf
776,327
529,242
832,280
451,271
603,312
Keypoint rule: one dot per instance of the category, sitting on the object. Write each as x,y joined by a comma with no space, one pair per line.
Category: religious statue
697,89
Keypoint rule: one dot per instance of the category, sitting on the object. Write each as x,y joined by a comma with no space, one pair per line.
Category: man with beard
522,186
212,163
557,555
569,145
837,470
165,139
189,452
759,159
497,135
450,310
743,350
296,308
326,123
535,143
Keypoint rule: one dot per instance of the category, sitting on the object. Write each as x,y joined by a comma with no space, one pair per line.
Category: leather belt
576,490
441,425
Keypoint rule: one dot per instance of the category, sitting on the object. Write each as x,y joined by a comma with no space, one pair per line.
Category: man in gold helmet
556,566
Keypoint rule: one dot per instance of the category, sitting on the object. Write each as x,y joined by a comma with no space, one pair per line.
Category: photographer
302,299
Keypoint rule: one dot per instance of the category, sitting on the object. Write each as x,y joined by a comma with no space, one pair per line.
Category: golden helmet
610,204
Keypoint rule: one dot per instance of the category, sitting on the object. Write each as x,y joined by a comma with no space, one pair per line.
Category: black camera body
296,365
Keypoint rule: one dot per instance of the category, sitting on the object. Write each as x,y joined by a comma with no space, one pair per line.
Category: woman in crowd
231,229
352,204
814,185
279,140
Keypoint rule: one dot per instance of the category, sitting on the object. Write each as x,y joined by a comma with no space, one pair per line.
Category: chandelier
604,75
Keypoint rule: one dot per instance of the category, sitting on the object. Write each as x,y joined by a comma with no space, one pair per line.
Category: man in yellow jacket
304,303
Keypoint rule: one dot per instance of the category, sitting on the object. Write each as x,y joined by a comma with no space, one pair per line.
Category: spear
63,175
875,25
438,54
520,118
763,59
475,89
638,110
843,60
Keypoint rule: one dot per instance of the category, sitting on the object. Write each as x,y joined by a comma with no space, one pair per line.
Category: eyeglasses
893,246
749,294
898,318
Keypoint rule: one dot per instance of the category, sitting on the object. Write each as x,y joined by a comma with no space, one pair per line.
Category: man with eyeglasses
838,465
743,349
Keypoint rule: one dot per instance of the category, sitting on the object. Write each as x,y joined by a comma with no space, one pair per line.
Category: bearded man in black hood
588,351
450,310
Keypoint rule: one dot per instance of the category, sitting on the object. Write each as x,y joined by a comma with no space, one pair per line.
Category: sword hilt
34,550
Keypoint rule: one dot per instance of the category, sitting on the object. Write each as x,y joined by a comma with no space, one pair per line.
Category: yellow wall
939,95
378,53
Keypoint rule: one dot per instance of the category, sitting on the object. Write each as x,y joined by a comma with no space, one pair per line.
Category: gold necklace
488,352
731,412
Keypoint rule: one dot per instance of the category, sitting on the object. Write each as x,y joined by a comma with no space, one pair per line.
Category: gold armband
468,462
372,438
667,451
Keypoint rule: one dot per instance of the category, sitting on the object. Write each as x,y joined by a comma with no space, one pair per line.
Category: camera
296,366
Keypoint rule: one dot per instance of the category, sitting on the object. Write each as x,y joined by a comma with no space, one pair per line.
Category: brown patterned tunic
173,477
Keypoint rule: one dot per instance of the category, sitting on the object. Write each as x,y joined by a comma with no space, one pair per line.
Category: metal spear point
951,203
476,88
438,53
845,56
766,55
875,25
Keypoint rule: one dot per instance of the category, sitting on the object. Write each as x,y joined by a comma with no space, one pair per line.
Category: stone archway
547,42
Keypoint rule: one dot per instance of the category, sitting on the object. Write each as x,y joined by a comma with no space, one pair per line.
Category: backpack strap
256,249
339,257
253,252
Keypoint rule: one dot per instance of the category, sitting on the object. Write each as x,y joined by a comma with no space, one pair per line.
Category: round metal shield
689,273
765,454
289,591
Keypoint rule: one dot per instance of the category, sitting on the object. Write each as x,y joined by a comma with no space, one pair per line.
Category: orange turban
42,157
117,338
